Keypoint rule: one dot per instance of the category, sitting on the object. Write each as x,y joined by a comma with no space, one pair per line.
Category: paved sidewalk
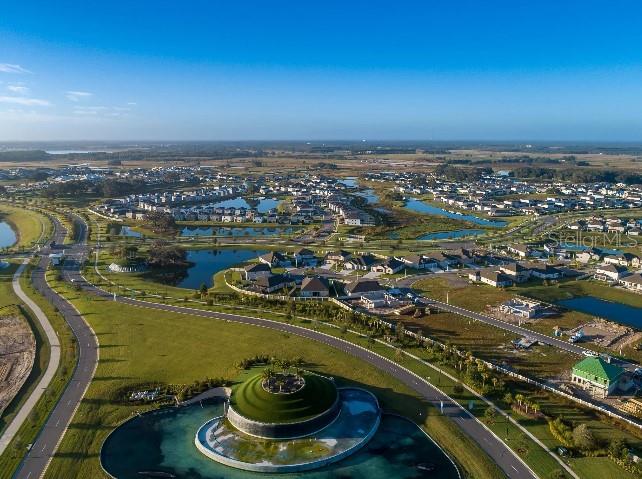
52,366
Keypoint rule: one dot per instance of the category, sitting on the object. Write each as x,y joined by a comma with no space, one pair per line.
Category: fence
273,296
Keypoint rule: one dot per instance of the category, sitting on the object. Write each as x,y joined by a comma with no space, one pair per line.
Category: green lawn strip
140,345
27,433
601,467
30,226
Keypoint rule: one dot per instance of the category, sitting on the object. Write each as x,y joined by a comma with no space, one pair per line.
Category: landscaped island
289,421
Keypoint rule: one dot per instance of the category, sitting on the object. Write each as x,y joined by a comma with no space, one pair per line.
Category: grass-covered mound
251,401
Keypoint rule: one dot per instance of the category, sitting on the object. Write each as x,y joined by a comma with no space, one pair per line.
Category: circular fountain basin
356,422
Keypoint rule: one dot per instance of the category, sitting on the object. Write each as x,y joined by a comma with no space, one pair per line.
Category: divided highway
37,459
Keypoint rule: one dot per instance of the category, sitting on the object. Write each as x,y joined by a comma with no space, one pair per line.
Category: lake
264,205
419,206
579,247
235,231
621,313
163,440
369,196
442,235
349,181
7,235
209,262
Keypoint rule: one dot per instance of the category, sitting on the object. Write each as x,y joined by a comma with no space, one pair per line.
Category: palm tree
536,408
519,398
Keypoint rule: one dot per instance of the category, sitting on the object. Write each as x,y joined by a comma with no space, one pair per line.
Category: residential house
623,259
597,376
337,256
357,288
389,266
360,263
273,258
416,261
273,282
520,250
491,277
517,272
586,256
610,272
315,287
545,271
633,282
256,270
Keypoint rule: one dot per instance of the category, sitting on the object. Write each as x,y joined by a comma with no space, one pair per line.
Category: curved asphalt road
37,459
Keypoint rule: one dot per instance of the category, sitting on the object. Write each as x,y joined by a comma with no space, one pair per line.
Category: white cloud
132,103
19,89
76,96
11,68
17,100
105,111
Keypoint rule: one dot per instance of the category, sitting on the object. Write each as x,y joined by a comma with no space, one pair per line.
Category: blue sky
496,70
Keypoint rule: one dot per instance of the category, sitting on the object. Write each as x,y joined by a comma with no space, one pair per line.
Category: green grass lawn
143,345
29,225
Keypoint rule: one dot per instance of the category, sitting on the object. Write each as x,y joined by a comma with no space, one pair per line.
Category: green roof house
596,376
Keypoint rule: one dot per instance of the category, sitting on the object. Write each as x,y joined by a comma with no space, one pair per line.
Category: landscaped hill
251,401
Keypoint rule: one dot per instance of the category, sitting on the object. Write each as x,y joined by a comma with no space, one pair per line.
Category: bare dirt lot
17,354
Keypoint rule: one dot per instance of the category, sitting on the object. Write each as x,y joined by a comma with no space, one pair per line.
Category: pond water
264,205
442,235
130,233
621,313
235,231
369,195
209,262
579,247
163,441
349,181
421,207
7,235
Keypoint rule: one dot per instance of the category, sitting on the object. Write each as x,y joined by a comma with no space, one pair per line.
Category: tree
161,222
490,414
508,398
203,290
583,438
162,255
519,398
617,448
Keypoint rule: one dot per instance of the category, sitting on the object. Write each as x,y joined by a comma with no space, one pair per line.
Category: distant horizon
330,141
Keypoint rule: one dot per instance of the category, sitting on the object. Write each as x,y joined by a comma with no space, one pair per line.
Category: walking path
52,366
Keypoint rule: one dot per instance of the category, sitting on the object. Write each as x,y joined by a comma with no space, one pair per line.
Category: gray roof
363,286
315,284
